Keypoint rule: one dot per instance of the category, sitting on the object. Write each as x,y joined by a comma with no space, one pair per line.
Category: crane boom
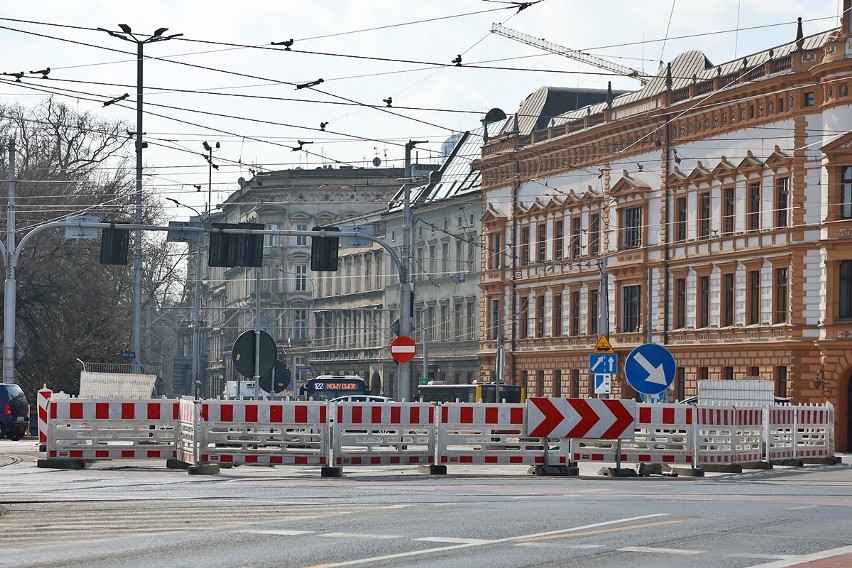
568,52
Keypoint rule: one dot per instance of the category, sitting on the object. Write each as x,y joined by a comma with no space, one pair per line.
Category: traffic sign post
403,349
650,368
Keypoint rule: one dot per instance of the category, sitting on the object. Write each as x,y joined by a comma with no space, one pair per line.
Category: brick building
709,211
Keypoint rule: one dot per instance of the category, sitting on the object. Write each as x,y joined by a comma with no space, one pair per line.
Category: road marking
560,545
280,532
659,550
764,556
602,531
451,540
796,560
802,507
361,535
409,554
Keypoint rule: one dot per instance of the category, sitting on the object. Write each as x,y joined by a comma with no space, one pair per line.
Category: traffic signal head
324,251
233,249
114,245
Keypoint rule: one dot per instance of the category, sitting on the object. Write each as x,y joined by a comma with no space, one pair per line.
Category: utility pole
127,35
10,298
405,303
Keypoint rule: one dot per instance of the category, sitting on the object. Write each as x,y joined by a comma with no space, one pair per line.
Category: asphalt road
133,513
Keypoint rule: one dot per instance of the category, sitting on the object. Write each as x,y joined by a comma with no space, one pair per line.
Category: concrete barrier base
331,471
555,470
617,472
433,469
173,463
59,463
203,469
722,467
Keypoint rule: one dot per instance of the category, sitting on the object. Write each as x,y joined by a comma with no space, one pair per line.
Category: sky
224,82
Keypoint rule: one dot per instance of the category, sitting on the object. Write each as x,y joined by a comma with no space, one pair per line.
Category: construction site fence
342,434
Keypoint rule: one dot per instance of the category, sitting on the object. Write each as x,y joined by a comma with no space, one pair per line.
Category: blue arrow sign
650,368
603,363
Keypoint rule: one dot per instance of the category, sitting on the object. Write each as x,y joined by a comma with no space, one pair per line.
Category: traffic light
324,251
233,249
114,245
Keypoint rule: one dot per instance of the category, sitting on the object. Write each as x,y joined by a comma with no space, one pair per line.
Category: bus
327,387
476,392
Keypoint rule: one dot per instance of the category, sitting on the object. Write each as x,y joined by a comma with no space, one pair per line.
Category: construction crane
572,53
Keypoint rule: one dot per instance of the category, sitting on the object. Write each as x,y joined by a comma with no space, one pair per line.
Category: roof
545,104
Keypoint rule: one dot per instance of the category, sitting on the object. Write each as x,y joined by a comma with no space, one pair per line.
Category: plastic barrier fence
42,400
492,434
111,429
729,435
814,431
190,417
262,432
382,433
663,435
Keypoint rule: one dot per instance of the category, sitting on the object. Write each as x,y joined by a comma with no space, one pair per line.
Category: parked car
14,412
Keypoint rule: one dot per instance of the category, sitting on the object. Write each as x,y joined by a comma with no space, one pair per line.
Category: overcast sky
223,81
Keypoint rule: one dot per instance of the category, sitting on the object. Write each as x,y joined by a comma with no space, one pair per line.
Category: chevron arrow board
603,419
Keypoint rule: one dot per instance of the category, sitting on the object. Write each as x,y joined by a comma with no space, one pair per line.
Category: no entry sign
402,349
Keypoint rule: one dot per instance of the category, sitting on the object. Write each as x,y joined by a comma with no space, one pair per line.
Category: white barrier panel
383,433
190,417
814,431
115,429
781,433
729,435
489,433
262,432
663,434
42,400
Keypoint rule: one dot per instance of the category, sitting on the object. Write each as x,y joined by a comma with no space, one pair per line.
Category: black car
14,412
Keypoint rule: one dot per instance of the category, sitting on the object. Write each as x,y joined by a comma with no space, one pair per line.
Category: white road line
796,560
452,540
409,554
802,507
560,545
280,532
764,556
660,550
362,535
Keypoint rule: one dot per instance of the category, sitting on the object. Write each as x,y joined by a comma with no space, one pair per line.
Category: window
301,278
495,252
631,228
728,210
680,383
557,383
703,373
594,234
460,265
539,383
594,301
525,246
781,295
494,324
630,304
704,215
539,316
575,383
728,300
524,317
575,313
781,381
471,314
301,240
445,258
727,373
300,323
754,297
703,301
680,222
271,240
810,98
680,303
576,235
846,192
541,240
433,259
753,212
556,317
782,202
558,238
845,291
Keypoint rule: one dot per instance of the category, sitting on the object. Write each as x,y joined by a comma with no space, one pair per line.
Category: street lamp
196,309
127,35
210,167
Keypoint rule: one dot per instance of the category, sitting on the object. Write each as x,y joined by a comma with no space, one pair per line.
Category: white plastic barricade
489,433
383,433
729,435
780,432
188,445
663,434
42,400
814,431
262,432
112,429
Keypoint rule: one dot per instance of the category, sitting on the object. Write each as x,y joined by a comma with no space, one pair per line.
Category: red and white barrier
663,434
262,432
489,433
814,431
188,450
729,435
100,429
383,433
42,400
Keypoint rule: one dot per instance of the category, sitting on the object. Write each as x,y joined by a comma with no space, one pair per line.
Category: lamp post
210,167
196,310
127,35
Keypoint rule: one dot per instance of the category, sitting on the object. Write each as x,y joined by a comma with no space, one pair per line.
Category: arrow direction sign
650,368
603,363
580,418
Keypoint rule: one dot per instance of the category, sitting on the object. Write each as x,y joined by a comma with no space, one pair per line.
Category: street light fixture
210,167
196,310
127,35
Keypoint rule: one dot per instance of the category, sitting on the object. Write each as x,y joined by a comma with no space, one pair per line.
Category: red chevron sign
604,419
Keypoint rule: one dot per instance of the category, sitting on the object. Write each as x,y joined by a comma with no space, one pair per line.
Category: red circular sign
402,349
